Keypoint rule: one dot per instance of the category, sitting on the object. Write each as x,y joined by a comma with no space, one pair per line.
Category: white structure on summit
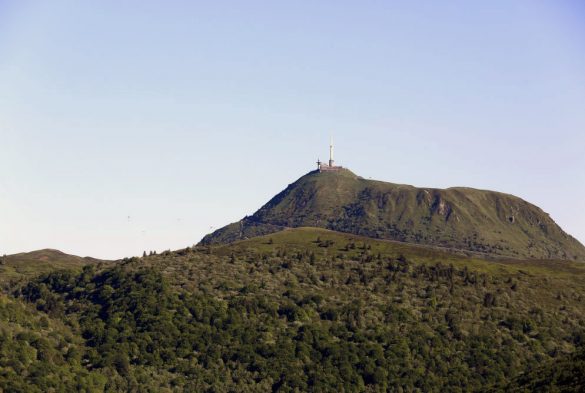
323,167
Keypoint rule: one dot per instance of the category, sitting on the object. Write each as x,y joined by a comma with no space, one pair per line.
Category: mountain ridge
28,264
489,222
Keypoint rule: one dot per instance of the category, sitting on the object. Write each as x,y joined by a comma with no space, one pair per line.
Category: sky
143,125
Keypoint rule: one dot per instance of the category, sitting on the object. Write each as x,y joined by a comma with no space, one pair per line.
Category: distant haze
131,126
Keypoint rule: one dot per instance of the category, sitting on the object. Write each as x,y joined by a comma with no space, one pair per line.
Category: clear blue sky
139,125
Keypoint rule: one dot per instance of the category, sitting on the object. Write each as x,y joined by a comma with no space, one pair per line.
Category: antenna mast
331,152
323,167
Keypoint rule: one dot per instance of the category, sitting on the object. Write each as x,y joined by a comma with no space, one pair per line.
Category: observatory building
328,167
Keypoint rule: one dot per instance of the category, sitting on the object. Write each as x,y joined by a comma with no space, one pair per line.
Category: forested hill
481,221
301,310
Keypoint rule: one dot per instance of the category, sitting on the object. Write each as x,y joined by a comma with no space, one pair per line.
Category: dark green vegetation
38,352
303,309
566,375
486,222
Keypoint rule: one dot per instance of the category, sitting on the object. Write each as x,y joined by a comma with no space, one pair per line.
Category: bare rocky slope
487,222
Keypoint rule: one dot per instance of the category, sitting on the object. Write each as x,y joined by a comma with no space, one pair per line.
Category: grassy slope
29,264
304,238
463,218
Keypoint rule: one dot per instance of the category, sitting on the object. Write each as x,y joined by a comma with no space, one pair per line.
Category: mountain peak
480,221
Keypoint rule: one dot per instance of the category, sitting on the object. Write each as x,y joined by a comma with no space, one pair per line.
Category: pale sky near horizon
143,125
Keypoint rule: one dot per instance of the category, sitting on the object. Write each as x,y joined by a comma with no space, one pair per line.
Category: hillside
566,374
41,354
307,309
486,222
29,264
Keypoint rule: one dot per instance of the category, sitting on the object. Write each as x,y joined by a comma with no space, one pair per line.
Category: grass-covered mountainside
29,264
486,222
301,310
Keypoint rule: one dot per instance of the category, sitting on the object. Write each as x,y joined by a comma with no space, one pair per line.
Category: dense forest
302,310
